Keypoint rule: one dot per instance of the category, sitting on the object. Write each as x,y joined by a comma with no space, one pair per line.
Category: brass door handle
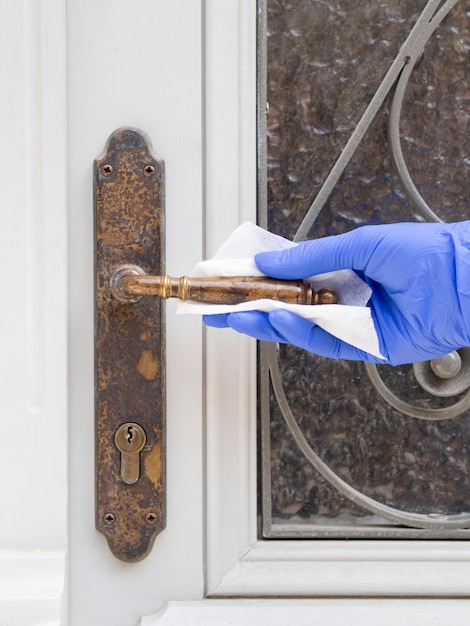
128,283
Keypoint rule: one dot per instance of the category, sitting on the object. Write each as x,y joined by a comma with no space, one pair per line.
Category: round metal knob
447,366
115,283
446,376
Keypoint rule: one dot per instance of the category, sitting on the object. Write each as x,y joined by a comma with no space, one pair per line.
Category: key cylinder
130,439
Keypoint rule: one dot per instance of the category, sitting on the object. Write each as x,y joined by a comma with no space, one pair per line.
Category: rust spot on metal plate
148,365
130,343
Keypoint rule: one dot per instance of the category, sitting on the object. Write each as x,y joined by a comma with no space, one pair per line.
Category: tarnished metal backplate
129,343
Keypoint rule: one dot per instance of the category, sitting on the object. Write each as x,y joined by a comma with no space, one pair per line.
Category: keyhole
130,439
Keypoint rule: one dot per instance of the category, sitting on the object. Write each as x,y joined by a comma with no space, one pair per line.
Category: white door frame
238,563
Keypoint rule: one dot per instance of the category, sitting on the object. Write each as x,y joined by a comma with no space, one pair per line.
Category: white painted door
184,71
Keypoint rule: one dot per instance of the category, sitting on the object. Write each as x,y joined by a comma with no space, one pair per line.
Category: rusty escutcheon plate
129,343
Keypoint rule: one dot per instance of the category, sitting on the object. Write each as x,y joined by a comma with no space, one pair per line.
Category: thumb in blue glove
420,280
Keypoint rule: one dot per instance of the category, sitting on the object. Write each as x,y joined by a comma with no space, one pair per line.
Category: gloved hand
419,274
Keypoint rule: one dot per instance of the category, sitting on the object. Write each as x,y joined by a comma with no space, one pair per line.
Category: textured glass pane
324,62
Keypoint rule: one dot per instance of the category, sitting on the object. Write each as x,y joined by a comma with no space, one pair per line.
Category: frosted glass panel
320,65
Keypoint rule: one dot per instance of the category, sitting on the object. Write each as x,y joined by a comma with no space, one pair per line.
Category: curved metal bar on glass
394,120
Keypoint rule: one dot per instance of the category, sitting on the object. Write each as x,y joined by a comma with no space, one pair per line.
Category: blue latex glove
420,279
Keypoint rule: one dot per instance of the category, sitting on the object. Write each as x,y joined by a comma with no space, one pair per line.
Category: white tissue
350,320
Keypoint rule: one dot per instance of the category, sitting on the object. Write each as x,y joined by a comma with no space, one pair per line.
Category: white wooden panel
32,255
33,364
356,568
312,613
31,588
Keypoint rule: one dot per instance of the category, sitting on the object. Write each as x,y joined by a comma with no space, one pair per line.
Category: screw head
109,519
151,519
149,170
107,169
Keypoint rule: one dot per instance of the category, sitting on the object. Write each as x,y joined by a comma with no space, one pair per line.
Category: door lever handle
129,283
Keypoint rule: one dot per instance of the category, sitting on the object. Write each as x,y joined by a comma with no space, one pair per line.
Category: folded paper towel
350,320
